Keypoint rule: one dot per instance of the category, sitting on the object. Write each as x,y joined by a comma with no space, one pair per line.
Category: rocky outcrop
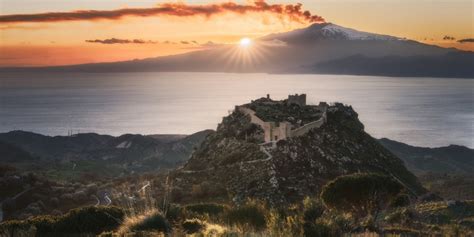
235,166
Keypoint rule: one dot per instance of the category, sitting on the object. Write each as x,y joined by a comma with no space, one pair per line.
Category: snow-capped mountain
333,31
326,31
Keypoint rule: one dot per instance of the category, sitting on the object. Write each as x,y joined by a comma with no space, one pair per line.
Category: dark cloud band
468,40
293,12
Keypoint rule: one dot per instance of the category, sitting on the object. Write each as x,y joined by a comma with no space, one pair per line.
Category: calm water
419,111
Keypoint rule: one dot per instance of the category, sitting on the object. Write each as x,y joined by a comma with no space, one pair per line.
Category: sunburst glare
245,42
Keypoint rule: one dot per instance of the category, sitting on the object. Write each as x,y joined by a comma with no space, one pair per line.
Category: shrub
282,222
11,227
401,200
44,224
211,209
249,216
152,222
6,169
174,213
316,229
401,216
90,220
192,226
312,210
360,194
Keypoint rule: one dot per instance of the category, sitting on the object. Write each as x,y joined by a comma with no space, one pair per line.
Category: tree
360,194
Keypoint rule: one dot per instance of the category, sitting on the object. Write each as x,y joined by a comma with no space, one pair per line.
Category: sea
428,112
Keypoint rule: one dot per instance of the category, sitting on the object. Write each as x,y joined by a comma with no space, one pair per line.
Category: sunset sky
38,40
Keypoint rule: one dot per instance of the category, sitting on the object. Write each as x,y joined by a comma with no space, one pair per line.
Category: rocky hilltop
236,162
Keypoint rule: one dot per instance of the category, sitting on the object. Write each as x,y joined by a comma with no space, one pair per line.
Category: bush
249,216
174,213
401,200
153,222
312,210
316,230
401,216
211,209
44,224
192,226
88,220
12,227
360,194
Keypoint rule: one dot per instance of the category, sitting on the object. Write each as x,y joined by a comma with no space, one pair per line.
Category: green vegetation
360,194
245,217
211,209
278,112
88,220
308,218
154,221
192,226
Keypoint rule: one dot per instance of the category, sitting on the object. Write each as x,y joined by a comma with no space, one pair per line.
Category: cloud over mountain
468,40
447,37
293,12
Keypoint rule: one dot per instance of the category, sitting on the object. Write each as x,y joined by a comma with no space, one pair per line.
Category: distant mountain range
90,152
451,159
318,49
146,153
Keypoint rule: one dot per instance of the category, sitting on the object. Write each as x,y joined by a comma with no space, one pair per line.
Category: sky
39,40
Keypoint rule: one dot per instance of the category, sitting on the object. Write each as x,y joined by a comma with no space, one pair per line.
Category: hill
77,155
451,159
11,153
455,64
234,162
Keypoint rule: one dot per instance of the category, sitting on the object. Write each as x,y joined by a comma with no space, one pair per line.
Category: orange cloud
293,12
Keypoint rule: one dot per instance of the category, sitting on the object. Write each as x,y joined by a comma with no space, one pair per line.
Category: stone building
281,130
297,99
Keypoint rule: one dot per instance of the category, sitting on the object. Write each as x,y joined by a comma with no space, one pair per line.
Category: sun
245,42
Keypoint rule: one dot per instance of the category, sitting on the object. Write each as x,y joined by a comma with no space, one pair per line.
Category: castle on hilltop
285,123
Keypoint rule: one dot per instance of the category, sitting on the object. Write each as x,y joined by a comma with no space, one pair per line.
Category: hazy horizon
419,111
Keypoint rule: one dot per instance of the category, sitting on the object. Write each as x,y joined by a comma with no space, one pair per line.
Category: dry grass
132,221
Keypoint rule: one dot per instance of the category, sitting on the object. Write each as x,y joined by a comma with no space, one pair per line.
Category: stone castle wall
283,130
305,128
253,118
268,127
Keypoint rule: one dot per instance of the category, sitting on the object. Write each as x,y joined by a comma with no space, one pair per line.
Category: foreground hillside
309,219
